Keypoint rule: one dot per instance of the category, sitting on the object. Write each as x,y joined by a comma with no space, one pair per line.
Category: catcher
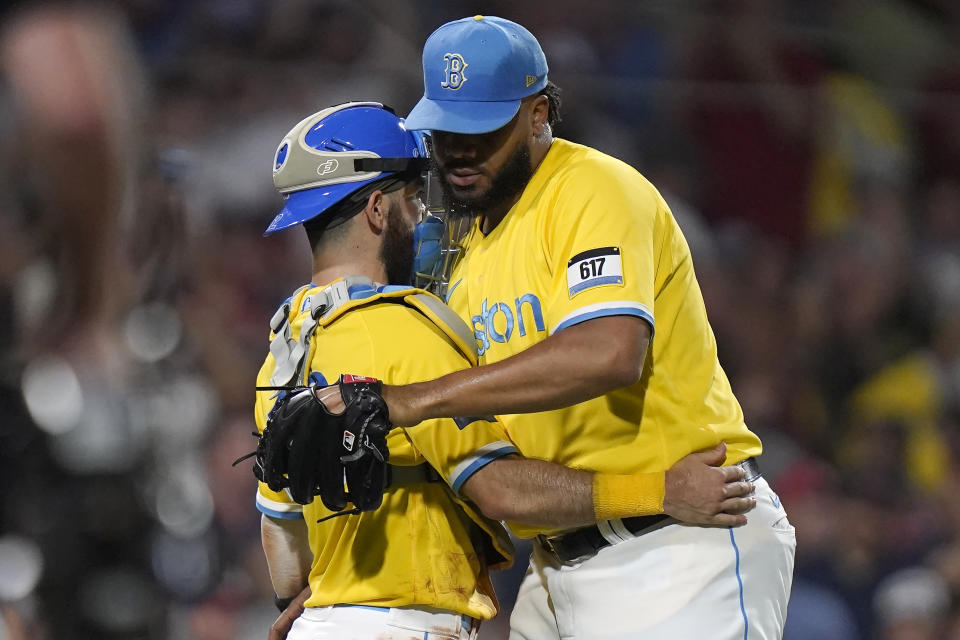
395,546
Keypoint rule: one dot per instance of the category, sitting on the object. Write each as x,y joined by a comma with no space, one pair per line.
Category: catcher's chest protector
326,305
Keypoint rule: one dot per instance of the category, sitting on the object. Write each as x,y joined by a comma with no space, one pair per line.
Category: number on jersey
594,268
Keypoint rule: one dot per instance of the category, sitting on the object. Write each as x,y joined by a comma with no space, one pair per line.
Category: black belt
586,542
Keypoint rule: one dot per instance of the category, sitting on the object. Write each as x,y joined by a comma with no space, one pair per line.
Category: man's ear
539,114
376,211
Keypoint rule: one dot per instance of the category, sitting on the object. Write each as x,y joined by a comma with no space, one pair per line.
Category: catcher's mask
341,155
438,241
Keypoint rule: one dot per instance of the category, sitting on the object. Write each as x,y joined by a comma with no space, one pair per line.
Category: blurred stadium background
810,151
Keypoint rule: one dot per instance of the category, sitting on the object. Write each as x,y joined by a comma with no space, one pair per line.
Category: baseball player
589,322
417,565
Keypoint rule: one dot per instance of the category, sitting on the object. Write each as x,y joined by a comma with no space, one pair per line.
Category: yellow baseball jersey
424,545
591,237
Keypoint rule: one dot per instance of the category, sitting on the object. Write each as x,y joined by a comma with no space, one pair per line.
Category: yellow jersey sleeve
459,448
276,504
598,241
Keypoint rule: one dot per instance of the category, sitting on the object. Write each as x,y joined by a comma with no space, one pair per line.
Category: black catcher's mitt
339,457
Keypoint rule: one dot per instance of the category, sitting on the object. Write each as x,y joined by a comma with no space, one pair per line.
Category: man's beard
506,184
396,248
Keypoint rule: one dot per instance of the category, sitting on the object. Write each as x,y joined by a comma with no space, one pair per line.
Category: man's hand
400,400
332,398
700,491
282,625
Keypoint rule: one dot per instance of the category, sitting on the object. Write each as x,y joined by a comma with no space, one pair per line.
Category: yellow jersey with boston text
591,237
424,546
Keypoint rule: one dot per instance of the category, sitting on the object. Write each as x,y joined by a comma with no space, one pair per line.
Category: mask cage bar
456,228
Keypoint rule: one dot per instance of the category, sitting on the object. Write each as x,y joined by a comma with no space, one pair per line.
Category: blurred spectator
76,92
860,139
939,267
754,119
912,604
939,122
890,41
919,389
818,612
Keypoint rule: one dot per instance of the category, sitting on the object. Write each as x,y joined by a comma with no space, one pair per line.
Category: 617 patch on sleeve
594,268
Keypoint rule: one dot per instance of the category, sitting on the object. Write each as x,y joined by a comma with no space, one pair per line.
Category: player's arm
546,494
696,490
578,363
288,554
70,70
287,550
479,462
584,362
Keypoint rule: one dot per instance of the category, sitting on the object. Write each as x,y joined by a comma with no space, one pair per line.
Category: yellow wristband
623,496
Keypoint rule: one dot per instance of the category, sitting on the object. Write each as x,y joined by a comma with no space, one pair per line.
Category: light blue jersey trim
608,311
279,510
594,282
486,455
280,515
364,606
743,610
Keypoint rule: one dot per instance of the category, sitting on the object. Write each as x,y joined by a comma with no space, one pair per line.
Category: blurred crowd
810,151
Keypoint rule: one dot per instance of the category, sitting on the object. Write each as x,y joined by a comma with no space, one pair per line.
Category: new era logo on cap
475,73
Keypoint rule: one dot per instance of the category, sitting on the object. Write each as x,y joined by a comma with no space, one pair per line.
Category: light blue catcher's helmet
332,155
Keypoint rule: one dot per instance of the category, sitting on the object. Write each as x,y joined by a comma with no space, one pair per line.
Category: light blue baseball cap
475,73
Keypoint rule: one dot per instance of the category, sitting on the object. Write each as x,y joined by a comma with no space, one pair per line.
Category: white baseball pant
358,622
677,582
